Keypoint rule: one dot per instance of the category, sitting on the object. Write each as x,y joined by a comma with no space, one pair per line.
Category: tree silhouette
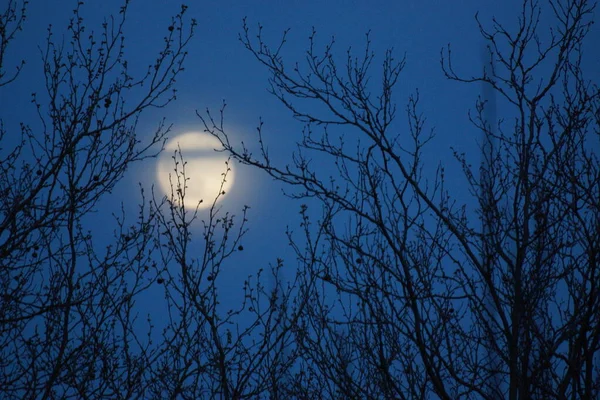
71,325
407,295
402,290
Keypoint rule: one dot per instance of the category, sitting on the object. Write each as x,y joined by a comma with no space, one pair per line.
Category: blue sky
219,68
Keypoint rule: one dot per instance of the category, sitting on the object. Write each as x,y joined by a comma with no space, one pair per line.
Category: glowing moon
204,169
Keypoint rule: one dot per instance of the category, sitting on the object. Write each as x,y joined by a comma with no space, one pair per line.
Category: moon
207,172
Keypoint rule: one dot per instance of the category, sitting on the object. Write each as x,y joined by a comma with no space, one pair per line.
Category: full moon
205,170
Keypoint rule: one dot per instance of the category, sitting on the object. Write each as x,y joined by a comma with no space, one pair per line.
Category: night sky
219,69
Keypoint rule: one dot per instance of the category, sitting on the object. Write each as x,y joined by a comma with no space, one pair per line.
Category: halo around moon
205,170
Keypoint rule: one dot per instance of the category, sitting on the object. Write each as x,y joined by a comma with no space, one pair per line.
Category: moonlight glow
204,169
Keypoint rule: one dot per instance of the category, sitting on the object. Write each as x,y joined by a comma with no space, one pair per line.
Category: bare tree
68,326
212,352
406,295
400,292
71,325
